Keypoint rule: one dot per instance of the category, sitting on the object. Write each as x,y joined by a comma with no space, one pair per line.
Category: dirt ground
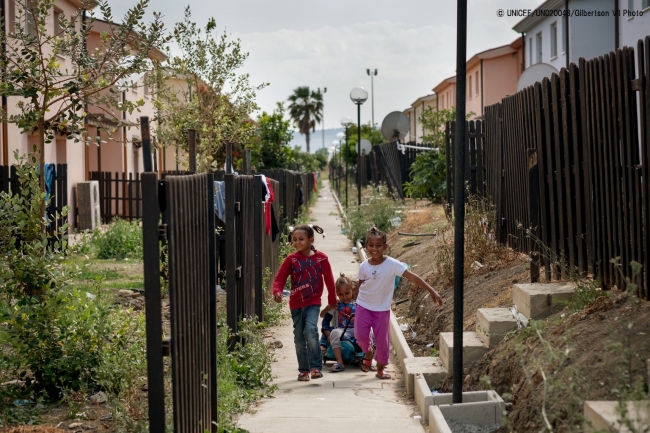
598,353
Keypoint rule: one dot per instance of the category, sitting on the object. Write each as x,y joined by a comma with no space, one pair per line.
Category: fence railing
189,230
120,195
57,190
568,160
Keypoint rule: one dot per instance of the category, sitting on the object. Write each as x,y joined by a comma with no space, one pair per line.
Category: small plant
121,240
428,177
379,211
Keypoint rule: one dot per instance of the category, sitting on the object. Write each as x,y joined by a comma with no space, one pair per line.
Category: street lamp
346,122
372,92
322,118
338,178
358,95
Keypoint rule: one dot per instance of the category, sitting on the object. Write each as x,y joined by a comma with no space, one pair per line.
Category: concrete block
473,348
606,416
437,421
397,340
478,408
428,367
492,324
423,398
539,300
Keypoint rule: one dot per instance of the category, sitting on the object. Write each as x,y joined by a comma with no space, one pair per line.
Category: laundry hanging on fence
220,199
269,198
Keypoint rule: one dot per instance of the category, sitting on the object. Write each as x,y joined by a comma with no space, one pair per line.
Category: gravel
461,427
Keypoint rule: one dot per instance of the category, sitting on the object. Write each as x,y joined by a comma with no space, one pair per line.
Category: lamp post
358,95
372,93
322,118
339,137
346,122
338,177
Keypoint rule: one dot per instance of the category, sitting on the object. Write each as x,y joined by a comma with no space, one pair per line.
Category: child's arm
281,279
423,284
324,311
329,283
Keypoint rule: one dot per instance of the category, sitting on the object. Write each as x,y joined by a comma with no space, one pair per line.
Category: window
539,47
469,94
630,5
443,101
554,40
645,4
57,27
530,51
30,25
477,91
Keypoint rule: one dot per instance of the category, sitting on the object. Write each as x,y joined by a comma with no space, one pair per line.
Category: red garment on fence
267,208
315,183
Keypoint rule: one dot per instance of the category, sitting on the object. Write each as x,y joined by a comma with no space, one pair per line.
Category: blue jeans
305,338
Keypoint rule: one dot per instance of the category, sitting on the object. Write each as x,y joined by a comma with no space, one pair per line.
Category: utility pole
372,93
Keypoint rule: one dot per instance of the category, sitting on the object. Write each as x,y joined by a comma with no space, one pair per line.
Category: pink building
491,75
113,155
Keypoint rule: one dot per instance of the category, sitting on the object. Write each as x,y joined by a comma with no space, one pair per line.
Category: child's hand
437,299
278,297
332,307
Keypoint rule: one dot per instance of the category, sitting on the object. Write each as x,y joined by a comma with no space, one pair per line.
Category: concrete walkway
350,401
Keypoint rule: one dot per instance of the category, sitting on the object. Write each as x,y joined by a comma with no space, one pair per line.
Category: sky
291,43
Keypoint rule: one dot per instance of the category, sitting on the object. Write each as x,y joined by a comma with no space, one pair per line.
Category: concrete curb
341,211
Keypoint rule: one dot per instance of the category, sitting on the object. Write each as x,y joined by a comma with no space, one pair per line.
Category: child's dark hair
343,280
374,232
309,230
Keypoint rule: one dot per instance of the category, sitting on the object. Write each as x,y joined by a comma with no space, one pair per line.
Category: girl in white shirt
376,286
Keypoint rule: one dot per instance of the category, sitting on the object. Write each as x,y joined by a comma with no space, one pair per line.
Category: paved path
350,401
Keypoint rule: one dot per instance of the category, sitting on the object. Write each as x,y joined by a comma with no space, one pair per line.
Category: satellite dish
366,146
534,74
395,126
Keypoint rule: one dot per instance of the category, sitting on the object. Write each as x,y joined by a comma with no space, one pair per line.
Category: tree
214,99
271,149
368,132
306,109
428,172
54,97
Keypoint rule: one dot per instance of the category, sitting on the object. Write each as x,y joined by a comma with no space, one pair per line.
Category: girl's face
344,293
301,241
376,247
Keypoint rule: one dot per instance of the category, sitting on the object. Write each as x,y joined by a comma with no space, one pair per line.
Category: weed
378,211
243,373
122,239
480,244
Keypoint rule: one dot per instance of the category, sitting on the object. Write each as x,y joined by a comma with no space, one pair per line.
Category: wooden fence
568,159
9,182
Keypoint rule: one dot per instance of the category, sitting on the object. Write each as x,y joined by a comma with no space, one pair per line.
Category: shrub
379,211
121,240
428,174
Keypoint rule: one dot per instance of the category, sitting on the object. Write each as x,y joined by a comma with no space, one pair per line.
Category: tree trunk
307,140
41,162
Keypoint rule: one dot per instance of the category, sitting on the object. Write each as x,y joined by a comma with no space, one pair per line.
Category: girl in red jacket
308,268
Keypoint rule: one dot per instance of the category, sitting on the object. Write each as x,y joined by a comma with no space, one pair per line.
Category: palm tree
306,109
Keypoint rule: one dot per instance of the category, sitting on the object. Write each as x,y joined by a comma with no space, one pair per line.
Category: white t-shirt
376,292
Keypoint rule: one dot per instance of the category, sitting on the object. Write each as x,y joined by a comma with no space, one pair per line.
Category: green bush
121,240
379,211
428,174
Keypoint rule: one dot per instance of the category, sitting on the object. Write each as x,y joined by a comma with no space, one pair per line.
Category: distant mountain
315,139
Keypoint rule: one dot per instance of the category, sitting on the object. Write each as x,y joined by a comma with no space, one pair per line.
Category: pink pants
364,320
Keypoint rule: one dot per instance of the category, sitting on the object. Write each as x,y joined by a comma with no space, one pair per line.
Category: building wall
544,27
500,76
447,96
631,29
473,91
591,37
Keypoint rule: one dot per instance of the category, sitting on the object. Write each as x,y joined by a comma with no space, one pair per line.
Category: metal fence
187,205
569,158
58,191
120,195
